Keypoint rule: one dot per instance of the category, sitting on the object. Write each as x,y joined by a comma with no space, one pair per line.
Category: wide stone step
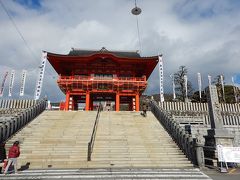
111,173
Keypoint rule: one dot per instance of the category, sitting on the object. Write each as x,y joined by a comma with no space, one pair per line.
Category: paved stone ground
233,174
109,173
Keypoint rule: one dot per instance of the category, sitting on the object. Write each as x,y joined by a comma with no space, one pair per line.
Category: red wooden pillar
117,105
87,101
67,101
137,102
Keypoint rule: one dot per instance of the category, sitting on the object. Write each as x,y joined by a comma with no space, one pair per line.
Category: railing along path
91,142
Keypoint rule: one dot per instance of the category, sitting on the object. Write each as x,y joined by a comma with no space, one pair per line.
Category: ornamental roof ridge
87,52
104,49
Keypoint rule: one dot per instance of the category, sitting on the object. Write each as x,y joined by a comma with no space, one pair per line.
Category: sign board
228,154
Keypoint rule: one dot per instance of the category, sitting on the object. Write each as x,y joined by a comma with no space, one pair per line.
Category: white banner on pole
11,83
173,86
185,84
40,76
23,80
3,84
160,65
234,90
199,85
222,83
228,154
209,80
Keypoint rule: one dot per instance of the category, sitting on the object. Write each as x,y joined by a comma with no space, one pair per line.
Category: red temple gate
113,77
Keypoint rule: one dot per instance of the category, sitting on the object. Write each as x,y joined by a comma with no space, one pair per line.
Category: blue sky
203,35
31,4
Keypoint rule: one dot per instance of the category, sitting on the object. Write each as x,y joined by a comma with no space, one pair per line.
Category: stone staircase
58,140
55,139
127,139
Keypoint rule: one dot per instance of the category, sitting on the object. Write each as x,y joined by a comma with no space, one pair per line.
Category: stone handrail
190,146
9,125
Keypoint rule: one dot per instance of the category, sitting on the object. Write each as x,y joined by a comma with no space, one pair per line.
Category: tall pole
185,83
40,76
209,80
11,82
23,80
173,87
234,90
3,84
222,83
160,67
199,85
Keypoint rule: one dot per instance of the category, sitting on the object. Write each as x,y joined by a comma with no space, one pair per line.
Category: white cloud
202,35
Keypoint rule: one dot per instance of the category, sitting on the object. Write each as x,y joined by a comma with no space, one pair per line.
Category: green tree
180,84
196,98
226,93
220,90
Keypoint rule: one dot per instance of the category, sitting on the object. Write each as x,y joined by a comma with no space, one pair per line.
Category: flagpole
3,84
173,87
223,91
200,85
209,80
40,76
234,90
186,90
160,68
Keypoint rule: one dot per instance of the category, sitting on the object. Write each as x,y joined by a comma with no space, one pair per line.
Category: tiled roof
80,52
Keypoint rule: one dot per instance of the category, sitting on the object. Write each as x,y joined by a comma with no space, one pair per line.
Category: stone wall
197,115
15,114
16,104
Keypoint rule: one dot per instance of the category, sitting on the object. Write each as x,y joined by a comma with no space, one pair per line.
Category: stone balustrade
189,145
15,114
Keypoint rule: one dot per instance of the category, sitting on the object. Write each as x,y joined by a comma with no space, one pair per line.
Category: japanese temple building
115,77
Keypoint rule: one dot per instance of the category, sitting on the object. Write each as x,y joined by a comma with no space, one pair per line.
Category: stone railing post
198,147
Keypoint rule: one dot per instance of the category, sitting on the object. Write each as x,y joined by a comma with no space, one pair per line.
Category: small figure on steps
144,108
13,154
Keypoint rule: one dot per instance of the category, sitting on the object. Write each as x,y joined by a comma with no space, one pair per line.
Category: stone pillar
117,102
217,134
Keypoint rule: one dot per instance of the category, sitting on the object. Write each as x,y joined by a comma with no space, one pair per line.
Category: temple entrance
117,79
106,99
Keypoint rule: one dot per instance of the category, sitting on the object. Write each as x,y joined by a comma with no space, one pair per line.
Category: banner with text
160,65
3,84
11,83
23,80
186,85
40,76
199,85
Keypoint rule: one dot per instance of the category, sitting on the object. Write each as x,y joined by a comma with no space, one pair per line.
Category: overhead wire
20,34
139,40
138,31
17,29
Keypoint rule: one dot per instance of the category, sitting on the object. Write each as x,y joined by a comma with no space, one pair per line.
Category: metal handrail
91,142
